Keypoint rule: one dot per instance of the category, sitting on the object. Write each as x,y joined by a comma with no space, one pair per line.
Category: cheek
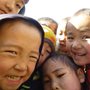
31,67
68,45
5,65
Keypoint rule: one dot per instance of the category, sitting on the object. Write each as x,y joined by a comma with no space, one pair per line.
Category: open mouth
13,77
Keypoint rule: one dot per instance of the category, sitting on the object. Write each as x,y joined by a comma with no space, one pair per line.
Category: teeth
13,77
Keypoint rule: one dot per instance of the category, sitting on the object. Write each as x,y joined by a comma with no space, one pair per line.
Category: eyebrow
59,69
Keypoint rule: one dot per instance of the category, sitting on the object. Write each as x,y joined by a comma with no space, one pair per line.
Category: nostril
56,88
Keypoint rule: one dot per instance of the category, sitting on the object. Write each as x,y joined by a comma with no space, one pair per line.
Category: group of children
40,54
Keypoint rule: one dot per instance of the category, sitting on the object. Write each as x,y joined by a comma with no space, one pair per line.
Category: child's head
11,6
51,23
21,40
61,73
61,37
78,37
49,44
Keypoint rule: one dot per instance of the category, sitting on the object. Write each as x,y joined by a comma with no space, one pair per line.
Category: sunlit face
78,39
10,6
58,76
61,37
19,51
45,52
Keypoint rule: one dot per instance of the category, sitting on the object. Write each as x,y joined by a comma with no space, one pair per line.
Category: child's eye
70,38
10,52
13,52
33,59
18,6
61,32
60,75
85,37
48,51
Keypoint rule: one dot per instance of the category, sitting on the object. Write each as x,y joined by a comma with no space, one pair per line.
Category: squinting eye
48,51
60,75
12,52
70,38
85,37
18,6
33,59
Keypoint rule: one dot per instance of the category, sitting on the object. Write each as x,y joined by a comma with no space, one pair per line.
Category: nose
21,66
55,86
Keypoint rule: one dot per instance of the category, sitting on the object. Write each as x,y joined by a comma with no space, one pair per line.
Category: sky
56,9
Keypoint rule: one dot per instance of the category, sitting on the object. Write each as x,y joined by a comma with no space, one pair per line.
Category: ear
81,75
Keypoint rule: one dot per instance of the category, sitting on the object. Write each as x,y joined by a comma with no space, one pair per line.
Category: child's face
45,52
78,39
62,38
58,76
10,6
18,53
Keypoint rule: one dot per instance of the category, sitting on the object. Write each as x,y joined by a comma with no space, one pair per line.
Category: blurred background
56,9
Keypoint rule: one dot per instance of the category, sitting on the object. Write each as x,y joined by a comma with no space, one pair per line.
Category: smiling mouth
14,78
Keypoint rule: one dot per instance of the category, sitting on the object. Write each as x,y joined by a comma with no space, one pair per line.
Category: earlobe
81,75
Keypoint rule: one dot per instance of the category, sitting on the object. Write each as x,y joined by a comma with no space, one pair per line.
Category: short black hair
64,58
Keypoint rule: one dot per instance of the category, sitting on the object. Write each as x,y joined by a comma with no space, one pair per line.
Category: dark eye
60,75
33,59
85,37
18,6
70,38
61,32
10,52
48,51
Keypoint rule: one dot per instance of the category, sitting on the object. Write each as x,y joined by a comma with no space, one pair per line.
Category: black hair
30,21
64,58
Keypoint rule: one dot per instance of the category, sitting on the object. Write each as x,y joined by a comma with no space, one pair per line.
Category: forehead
51,65
20,34
80,22
13,24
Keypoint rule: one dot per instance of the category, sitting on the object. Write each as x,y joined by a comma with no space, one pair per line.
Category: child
61,37
49,22
49,44
48,48
61,73
78,40
21,40
12,6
